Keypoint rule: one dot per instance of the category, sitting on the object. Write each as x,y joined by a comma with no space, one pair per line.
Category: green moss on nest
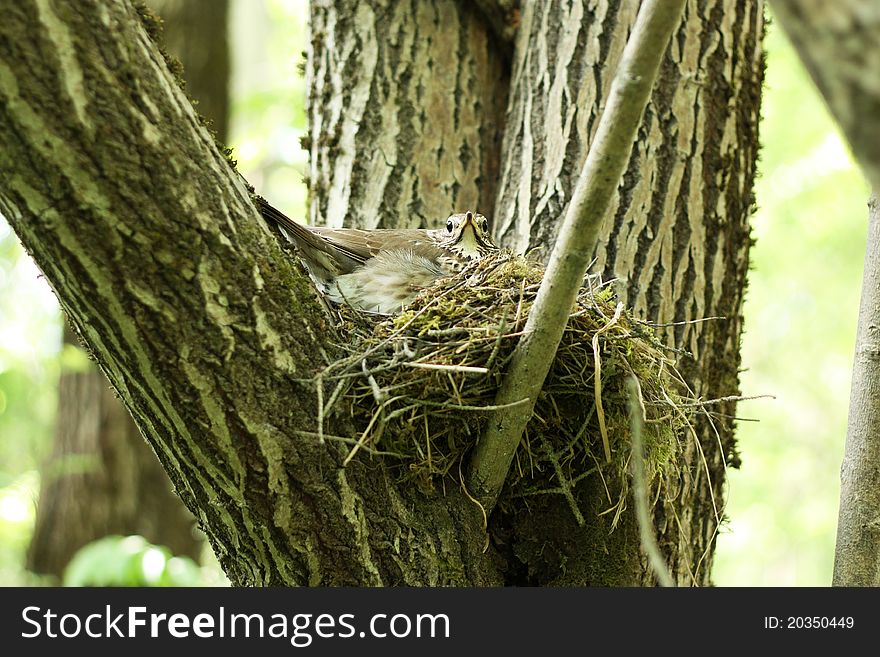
421,382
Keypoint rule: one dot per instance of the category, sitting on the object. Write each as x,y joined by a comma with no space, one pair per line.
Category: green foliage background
800,312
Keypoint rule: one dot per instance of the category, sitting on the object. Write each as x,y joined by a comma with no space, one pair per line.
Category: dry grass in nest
422,383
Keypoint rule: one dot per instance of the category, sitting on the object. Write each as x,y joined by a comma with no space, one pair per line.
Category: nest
423,383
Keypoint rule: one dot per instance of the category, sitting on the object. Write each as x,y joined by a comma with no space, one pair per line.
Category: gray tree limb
577,239
857,556
679,241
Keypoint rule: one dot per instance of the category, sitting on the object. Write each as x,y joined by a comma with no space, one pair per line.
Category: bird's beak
469,221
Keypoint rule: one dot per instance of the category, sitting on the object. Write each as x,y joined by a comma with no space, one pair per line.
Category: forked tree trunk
680,237
208,329
102,478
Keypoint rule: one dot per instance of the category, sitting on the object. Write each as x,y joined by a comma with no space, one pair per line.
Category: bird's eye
449,226
484,223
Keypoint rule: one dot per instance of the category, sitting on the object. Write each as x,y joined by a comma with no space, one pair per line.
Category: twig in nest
350,441
466,407
477,502
597,381
564,484
682,323
722,400
466,369
340,386
319,386
640,485
518,315
502,326
362,441
378,394
693,433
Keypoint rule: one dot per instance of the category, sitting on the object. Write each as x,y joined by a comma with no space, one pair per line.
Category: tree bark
839,43
406,104
115,484
569,258
210,333
857,556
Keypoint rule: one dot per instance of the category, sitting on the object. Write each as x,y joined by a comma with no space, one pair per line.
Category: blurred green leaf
129,561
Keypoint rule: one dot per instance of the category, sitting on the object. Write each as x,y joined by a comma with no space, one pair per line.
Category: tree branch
640,485
857,556
839,43
207,329
596,187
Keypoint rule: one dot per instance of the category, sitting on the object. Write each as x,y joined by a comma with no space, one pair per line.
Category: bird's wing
342,250
324,258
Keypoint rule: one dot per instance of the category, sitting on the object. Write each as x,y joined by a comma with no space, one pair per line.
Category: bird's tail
276,217
324,259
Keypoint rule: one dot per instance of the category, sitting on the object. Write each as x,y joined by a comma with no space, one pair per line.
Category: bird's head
467,234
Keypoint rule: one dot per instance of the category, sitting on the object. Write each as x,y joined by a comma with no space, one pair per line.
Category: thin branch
597,380
724,400
574,248
464,369
640,485
856,561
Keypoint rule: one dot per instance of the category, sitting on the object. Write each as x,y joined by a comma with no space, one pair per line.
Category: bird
381,271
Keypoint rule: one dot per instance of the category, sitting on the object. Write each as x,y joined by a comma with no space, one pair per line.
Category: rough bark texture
205,327
857,557
571,255
116,485
406,105
839,43
679,239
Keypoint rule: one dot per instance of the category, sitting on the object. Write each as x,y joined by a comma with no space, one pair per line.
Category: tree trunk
679,240
209,331
101,479
406,106
134,216
113,483
857,555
